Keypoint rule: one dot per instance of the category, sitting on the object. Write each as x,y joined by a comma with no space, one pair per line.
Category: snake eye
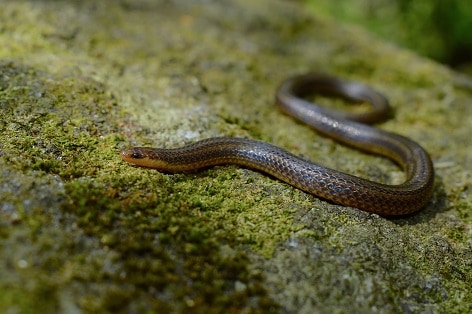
137,155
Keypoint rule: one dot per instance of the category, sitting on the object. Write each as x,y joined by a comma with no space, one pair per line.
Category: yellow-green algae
84,231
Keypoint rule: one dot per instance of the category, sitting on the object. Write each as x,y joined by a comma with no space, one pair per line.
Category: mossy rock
81,231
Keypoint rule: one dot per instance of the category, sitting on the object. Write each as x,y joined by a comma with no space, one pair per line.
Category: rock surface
81,231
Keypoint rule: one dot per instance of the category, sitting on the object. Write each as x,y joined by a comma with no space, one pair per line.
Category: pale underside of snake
348,128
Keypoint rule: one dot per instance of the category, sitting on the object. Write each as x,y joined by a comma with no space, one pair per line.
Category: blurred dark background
438,29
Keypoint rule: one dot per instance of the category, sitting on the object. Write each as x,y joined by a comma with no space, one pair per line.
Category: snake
347,127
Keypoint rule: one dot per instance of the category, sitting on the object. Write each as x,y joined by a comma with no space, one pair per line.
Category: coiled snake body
333,185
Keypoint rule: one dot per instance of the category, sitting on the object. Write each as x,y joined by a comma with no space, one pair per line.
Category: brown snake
348,128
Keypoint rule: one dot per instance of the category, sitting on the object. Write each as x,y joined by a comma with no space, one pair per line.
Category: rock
81,231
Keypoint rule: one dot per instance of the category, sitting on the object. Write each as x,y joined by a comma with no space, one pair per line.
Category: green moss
166,240
22,301
164,245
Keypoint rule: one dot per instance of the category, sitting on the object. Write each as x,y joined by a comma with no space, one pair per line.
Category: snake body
329,184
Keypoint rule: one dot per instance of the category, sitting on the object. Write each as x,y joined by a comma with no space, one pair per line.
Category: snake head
146,157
